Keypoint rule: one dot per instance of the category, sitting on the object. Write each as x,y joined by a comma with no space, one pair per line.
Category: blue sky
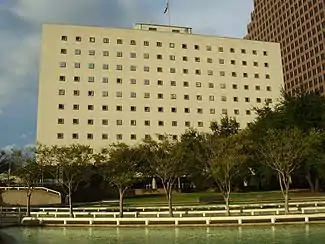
20,26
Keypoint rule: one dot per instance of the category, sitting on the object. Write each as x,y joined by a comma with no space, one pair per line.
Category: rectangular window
133,122
91,52
75,106
90,136
75,136
60,135
187,123
90,107
146,43
60,121
61,92
119,54
133,95
133,108
119,108
91,78
118,80
173,83
104,121
92,39
91,66
62,78
105,79
146,82
212,111
105,40
119,122
64,38
119,137
146,69
63,51
147,109
223,86
104,136
91,93
119,67
63,64
119,41
199,97
90,121
77,52
133,55
133,81
105,93
174,123
159,44
76,92
172,96
118,94
133,136
133,68
133,42
104,107
75,121
105,66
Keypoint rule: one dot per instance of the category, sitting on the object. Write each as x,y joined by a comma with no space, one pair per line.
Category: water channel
280,234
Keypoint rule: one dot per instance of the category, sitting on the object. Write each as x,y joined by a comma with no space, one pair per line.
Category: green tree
165,161
225,158
74,165
227,126
29,175
119,165
283,151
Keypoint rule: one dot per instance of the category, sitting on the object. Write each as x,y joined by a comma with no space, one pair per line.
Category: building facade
103,85
299,26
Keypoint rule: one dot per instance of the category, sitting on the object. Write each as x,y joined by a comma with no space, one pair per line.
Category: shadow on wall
18,197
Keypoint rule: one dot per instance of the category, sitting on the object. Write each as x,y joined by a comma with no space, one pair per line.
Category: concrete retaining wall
17,197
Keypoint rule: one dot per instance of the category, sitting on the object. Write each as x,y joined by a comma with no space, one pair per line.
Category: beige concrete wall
39,197
50,71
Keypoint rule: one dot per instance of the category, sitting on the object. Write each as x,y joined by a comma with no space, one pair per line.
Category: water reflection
279,234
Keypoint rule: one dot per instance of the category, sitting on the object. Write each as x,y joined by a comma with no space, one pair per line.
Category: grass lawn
247,197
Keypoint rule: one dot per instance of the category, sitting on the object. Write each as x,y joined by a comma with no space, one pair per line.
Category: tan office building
103,85
299,26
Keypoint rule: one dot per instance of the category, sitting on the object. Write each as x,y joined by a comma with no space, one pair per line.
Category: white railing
191,208
24,188
176,221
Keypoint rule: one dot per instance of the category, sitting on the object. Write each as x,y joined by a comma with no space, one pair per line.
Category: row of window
147,95
119,54
119,67
161,109
160,44
105,136
161,82
119,122
77,65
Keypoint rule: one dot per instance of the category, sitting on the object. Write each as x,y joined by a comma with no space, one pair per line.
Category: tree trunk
121,193
70,201
310,182
316,183
286,201
29,195
227,205
170,203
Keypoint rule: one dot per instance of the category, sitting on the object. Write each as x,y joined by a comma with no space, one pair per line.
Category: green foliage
119,165
72,162
227,126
